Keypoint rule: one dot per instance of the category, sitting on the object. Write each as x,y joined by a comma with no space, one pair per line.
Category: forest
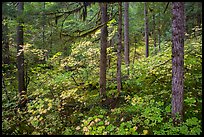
101,68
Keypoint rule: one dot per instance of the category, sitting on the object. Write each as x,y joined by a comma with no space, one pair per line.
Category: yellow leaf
78,127
145,132
48,108
33,112
135,128
85,129
40,118
44,111
50,104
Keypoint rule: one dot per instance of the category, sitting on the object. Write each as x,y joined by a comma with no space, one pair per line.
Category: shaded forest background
51,68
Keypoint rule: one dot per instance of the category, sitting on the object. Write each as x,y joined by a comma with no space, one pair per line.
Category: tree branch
166,7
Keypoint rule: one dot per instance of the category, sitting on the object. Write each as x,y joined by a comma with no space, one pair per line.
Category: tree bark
159,32
146,30
154,30
126,36
103,60
119,47
177,60
20,56
43,24
51,42
5,42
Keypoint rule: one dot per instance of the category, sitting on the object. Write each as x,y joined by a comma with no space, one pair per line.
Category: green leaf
146,121
100,116
110,127
184,130
168,109
196,131
101,123
192,121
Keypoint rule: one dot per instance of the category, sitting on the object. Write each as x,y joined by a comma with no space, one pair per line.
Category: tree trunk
177,60
119,47
103,61
109,56
185,25
43,24
5,42
50,47
20,57
159,31
126,36
146,30
154,30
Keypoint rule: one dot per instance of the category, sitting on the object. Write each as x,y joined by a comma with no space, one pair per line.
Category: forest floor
67,101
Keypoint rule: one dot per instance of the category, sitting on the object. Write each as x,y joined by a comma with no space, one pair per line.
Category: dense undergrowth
67,101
